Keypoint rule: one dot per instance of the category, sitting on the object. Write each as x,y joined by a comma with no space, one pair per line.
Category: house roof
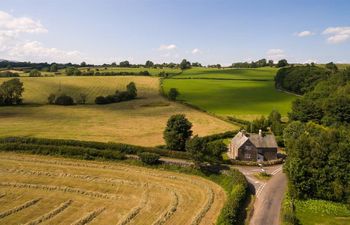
265,141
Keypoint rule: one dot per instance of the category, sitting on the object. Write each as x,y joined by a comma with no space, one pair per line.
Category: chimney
260,133
244,133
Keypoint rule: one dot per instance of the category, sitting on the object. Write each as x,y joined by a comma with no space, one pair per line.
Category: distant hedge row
68,151
237,191
122,148
98,73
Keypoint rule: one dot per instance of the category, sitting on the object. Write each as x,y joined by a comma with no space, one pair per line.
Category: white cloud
275,54
196,51
16,25
37,52
304,33
167,47
12,46
337,34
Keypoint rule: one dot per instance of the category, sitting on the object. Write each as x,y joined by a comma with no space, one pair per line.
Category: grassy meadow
49,190
320,212
139,122
243,93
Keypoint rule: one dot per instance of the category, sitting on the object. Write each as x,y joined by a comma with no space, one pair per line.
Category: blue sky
210,32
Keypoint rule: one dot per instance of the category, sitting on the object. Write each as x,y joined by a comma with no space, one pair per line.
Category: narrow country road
267,206
269,194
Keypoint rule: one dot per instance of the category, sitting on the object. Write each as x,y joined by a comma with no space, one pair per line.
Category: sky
210,32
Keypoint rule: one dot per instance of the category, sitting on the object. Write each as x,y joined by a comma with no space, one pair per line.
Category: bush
8,74
64,100
101,100
149,158
119,96
51,99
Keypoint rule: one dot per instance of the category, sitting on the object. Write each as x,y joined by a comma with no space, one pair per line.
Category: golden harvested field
139,121
52,190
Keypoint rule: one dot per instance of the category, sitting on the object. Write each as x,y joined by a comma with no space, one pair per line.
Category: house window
248,147
247,155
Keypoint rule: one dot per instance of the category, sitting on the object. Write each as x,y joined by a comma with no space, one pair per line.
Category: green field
139,122
319,212
265,73
252,93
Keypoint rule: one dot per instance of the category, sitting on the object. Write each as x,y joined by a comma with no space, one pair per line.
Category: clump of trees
64,99
273,123
35,73
282,63
11,92
173,94
202,151
119,96
300,79
70,71
8,74
253,64
328,103
318,161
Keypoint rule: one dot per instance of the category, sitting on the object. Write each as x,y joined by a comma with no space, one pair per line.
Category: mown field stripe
19,208
59,188
51,214
89,217
136,210
171,210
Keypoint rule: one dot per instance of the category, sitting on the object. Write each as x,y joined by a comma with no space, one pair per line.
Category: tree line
260,63
317,138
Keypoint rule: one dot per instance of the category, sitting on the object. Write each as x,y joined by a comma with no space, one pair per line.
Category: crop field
48,190
139,122
243,93
152,71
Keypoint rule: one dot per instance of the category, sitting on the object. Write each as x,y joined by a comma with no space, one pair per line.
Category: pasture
243,93
139,122
264,73
320,212
48,190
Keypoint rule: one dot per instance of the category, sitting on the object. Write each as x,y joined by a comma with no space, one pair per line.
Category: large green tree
132,90
11,92
185,64
177,132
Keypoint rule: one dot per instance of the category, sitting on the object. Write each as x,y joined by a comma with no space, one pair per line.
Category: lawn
319,212
245,99
139,122
52,190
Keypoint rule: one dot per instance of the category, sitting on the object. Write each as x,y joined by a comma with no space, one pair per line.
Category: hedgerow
236,187
93,145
